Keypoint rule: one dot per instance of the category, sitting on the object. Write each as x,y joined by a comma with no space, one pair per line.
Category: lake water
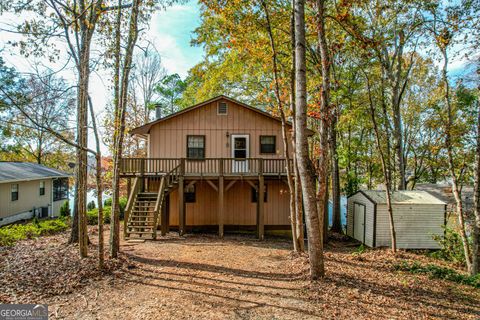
343,211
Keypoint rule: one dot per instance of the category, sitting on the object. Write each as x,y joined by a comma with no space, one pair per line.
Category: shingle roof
22,171
402,197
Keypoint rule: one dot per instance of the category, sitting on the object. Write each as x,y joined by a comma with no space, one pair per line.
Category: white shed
417,215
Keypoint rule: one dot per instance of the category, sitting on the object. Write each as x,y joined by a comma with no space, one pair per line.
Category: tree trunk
127,64
115,212
336,211
297,184
476,197
325,119
385,169
82,139
299,208
98,180
285,137
451,164
314,233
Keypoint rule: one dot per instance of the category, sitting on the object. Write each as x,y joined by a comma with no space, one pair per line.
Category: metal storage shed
418,216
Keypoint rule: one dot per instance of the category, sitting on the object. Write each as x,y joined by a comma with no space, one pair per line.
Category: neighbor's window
60,189
42,188
14,192
268,144
195,147
222,108
190,194
255,194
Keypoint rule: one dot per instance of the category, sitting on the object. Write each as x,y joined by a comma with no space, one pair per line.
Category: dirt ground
203,277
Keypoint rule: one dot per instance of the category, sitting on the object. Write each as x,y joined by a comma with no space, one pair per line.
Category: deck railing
203,167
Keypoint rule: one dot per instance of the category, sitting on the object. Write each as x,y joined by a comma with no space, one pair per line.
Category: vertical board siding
415,225
239,209
369,212
168,138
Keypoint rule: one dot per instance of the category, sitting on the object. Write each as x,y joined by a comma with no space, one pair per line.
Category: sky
170,31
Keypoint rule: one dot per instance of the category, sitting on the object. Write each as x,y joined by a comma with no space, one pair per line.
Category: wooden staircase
143,208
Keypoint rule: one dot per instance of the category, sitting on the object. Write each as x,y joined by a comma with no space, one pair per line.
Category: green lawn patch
9,235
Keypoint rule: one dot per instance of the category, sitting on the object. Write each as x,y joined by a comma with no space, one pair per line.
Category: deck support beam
181,207
260,203
221,200
164,224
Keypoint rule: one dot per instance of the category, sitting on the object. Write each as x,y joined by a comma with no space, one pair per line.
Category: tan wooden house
206,167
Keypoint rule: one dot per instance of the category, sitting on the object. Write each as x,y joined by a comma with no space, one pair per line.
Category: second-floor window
195,147
14,192
268,145
42,188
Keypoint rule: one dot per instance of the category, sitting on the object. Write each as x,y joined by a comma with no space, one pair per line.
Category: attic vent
222,108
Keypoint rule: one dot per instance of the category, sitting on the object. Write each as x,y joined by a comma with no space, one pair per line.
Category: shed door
359,221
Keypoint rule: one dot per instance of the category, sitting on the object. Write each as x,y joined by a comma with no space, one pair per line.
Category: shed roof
402,197
24,171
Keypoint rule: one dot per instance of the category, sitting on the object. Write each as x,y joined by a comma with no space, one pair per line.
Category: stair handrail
166,180
131,200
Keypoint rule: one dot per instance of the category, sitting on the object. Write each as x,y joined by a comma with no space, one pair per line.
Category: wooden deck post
221,193
181,198
181,206
260,203
164,217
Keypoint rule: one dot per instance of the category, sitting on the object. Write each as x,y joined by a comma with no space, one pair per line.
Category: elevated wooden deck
142,212
204,168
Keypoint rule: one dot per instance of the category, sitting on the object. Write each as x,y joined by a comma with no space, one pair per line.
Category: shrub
9,235
361,249
65,210
122,204
91,205
92,216
451,247
437,272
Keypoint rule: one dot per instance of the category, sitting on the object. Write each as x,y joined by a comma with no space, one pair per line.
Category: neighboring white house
29,189
418,216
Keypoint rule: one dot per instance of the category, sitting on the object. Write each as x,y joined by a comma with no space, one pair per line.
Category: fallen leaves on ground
239,277
48,266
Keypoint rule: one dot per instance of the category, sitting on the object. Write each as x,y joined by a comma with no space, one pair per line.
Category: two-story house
218,164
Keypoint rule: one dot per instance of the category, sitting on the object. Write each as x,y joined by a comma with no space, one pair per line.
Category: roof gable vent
222,108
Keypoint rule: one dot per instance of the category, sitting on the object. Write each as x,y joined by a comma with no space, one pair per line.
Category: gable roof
401,197
146,127
24,171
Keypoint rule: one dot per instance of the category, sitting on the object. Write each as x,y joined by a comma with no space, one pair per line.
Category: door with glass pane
240,153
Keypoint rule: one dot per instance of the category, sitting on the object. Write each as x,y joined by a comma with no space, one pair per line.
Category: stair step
144,217
151,224
142,232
